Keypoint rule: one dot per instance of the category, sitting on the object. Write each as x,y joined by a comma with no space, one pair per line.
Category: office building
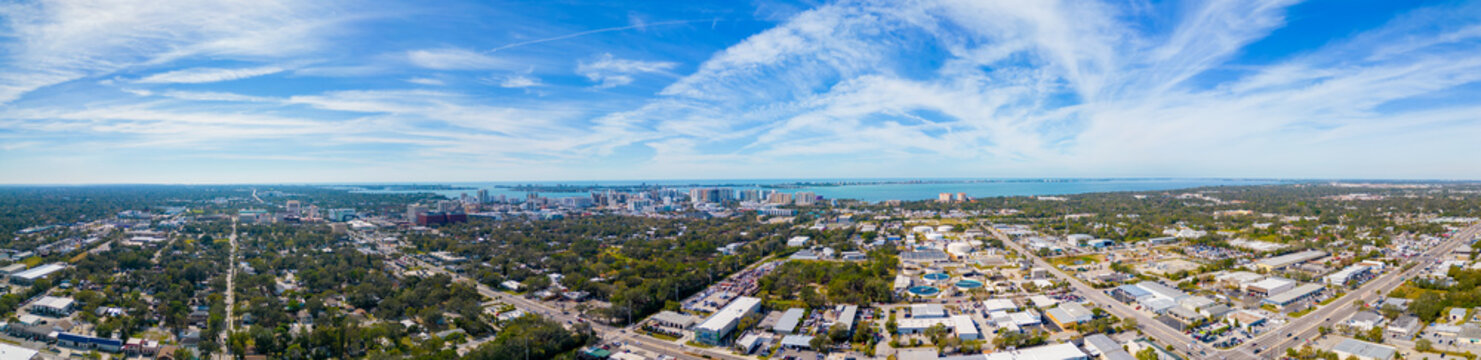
413,210
52,306
779,198
343,214
805,198
719,325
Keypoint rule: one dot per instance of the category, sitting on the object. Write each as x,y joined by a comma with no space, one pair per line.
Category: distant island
413,187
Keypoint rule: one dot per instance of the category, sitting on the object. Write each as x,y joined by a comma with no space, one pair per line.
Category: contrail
589,32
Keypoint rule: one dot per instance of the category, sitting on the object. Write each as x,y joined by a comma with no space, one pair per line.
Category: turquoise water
924,290
882,192
969,284
936,276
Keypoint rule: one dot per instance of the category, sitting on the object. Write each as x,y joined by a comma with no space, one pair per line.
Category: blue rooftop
89,339
1134,291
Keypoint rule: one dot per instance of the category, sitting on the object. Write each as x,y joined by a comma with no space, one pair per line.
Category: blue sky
206,91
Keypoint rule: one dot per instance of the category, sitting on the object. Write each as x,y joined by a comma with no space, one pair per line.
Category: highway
1272,343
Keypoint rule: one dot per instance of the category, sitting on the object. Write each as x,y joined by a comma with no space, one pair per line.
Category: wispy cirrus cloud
455,59
847,88
60,41
609,71
208,75
519,81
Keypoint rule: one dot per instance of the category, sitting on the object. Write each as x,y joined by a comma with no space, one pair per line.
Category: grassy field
1070,260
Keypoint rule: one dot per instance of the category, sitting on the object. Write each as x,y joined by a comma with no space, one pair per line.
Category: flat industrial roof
1134,291
1271,283
39,271
53,302
789,321
1364,349
12,352
731,312
1160,290
1288,259
1293,294
846,317
1101,343
963,325
999,304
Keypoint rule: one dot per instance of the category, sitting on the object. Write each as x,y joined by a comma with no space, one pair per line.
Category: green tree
1147,354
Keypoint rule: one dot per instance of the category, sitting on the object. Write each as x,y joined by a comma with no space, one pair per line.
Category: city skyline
340,91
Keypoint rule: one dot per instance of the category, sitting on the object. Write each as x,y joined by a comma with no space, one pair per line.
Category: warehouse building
1281,262
29,277
1287,298
1270,286
1069,314
1363,350
789,321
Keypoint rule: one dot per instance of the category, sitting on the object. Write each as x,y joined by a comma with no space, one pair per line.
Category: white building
714,329
52,305
1363,350
40,272
798,241
12,352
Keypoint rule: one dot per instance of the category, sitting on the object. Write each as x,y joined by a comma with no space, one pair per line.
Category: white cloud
213,96
454,59
55,41
426,81
209,75
519,81
1049,88
609,71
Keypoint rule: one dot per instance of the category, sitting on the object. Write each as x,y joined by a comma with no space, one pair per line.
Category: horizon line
559,182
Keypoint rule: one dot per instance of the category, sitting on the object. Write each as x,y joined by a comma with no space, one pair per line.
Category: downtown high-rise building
805,198
413,210
779,198
711,195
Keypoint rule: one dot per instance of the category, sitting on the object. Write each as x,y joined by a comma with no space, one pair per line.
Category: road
231,275
1163,333
1273,342
1341,309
